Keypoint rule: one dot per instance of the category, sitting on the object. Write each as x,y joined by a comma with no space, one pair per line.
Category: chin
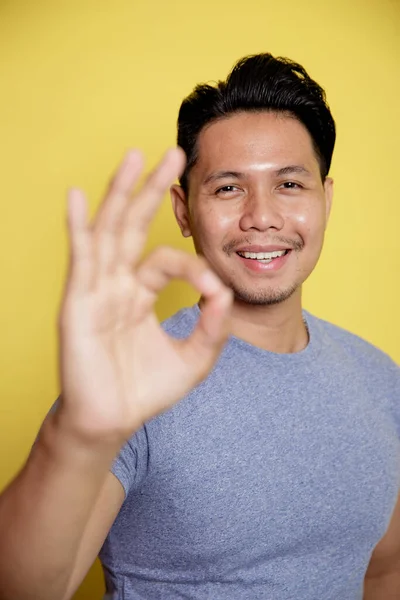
265,297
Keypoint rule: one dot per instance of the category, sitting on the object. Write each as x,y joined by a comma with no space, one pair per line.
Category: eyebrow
217,175
292,169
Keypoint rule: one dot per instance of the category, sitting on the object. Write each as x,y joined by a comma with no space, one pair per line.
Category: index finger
145,204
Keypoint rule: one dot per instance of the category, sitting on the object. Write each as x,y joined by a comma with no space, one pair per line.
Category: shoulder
182,323
358,364
361,352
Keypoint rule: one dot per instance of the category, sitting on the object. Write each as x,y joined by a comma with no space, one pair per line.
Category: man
277,474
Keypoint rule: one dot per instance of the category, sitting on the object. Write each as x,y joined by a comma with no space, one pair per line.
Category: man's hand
118,368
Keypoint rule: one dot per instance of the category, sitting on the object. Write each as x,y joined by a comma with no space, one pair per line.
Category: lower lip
255,265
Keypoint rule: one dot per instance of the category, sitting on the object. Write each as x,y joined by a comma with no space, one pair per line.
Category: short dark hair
259,83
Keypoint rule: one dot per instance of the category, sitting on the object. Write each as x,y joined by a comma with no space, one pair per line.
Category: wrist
61,439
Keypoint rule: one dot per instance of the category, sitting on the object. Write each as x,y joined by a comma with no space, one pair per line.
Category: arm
117,370
383,587
55,516
382,579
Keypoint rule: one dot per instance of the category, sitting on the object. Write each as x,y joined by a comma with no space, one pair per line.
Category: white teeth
263,255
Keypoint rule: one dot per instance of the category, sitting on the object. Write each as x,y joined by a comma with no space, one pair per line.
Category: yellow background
82,80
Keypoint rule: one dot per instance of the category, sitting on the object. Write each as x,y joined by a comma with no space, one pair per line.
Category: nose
261,212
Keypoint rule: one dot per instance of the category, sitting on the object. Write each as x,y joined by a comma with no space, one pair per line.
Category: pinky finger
81,267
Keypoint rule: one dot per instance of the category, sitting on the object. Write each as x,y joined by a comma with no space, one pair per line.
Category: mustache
295,245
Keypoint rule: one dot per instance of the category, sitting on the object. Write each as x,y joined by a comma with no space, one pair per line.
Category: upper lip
270,248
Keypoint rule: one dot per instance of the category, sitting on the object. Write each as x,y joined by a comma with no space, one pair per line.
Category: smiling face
257,207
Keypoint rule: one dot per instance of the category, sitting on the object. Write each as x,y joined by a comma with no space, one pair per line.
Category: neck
277,328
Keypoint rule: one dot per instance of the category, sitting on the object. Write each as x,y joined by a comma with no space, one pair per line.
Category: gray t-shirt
273,479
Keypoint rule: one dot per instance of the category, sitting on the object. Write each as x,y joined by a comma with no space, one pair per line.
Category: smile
263,257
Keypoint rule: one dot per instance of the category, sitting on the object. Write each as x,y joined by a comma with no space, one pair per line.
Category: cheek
309,221
212,224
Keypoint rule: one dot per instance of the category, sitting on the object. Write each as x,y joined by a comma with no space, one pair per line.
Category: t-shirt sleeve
125,465
130,465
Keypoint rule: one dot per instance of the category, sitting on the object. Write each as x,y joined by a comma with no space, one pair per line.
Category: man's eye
291,185
226,189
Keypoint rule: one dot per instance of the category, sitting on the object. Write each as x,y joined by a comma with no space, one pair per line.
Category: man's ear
328,189
181,209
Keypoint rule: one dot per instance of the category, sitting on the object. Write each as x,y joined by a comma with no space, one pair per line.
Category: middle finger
107,224
145,204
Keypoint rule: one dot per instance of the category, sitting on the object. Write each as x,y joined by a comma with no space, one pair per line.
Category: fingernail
132,153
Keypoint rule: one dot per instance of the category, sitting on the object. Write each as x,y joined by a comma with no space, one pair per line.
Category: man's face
257,208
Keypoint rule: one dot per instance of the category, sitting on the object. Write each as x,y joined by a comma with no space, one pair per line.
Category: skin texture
258,207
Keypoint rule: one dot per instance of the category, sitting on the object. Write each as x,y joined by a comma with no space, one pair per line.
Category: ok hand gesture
118,368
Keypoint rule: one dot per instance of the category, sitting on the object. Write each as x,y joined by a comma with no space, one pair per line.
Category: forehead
247,139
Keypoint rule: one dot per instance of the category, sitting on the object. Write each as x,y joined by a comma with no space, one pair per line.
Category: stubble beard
265,297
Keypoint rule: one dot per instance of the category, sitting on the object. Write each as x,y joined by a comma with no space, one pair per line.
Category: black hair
259,83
